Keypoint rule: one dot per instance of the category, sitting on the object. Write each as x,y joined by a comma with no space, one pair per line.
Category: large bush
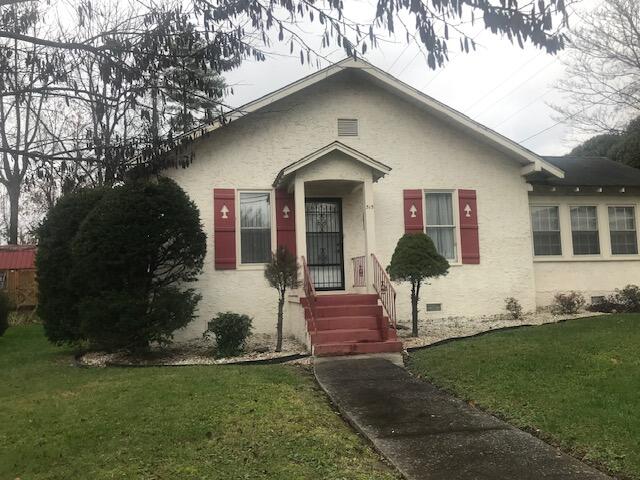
415,260
626,300
130,259
58,298
5,309
231,331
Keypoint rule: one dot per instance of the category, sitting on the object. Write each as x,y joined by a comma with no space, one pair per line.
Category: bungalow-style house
340,164
18,275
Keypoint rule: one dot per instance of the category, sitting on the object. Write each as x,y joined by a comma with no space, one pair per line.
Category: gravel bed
259,347
435,330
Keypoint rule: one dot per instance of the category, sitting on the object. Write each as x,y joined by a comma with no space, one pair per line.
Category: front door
324,243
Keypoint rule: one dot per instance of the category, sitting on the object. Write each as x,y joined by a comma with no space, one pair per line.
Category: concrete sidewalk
428,434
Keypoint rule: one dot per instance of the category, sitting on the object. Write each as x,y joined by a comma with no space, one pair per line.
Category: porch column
301,225
369,231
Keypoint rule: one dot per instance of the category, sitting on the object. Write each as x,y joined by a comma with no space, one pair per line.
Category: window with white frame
584,230
440,224
622,228
545,223
255,227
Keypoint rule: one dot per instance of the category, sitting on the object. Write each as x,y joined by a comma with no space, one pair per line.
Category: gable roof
379,169
17,257
591,172
525,157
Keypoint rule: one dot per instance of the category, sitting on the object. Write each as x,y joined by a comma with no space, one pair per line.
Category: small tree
415,260
282,273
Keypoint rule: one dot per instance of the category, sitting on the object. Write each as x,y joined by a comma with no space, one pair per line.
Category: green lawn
578,382
216,422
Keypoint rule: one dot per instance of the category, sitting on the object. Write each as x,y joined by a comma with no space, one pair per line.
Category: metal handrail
359,271
384,289
310,294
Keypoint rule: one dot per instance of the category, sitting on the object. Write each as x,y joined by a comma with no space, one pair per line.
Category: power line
398,57
517,87
506,80
523,108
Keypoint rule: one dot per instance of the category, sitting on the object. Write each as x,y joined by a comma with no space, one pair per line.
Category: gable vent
347,127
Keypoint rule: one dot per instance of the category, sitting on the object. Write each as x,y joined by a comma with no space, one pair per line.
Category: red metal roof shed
17,257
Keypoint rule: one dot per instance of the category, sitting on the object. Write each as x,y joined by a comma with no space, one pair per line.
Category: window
622,227
347,127
584,231
255,227
545,223
440,226
3,280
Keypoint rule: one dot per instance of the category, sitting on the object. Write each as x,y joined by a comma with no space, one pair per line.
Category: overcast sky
500,85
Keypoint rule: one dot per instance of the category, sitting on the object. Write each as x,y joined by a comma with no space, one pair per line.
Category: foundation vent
434,307
347,127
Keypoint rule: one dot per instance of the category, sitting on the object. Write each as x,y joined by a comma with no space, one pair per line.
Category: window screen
440,226
584,231
545,222
255,227
622,227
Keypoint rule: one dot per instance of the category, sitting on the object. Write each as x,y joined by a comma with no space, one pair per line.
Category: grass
58,421
577,382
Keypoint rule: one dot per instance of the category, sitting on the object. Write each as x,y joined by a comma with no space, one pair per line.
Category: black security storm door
324,243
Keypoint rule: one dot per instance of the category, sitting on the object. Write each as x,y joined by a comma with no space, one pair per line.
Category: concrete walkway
428,434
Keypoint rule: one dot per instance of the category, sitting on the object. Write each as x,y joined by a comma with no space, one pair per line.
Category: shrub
5,309
112,265
415,260
58,298
628,298
131,257
567,303
231,331
513,307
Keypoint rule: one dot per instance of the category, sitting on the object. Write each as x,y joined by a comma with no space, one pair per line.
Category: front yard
576,384
216,422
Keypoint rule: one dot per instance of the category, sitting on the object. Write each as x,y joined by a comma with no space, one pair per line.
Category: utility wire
517,87
505,81
522,109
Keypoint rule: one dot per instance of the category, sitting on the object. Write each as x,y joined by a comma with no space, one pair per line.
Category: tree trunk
415,290
14,207
280,321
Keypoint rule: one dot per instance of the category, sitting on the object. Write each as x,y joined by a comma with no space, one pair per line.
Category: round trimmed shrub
132,256
58,298
5,309
231,331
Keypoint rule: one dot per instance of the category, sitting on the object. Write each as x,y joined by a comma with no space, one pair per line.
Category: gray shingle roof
591,172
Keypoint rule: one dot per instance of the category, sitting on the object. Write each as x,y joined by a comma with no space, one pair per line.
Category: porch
347,299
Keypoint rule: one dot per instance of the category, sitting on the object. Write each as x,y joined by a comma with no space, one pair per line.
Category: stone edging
261,361
494,330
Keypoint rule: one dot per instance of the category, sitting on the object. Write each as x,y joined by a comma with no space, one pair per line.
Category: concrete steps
350,324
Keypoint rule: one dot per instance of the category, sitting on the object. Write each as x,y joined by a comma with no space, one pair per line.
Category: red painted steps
350,324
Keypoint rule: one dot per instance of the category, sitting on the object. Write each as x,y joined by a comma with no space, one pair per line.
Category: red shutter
285,220
224,222
470,244
413,218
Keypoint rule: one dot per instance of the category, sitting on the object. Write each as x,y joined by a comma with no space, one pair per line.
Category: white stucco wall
423,152
591,275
